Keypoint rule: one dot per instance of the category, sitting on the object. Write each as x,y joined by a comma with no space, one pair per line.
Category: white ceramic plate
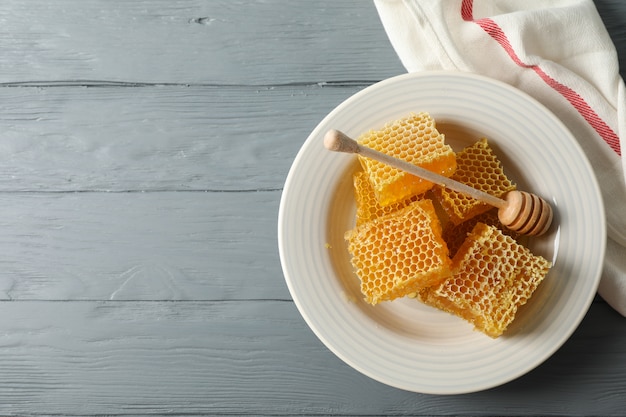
406,344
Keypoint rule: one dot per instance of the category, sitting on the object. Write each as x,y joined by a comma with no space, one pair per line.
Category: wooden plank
215,42
613,14
140,246
160,138
140,358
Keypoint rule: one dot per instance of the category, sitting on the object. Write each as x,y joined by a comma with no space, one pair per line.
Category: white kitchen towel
557,51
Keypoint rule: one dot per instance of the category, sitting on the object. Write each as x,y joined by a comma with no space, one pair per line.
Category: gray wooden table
144,148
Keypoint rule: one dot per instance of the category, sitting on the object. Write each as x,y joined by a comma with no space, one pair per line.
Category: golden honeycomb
367,206
455,234
493,276
399,253
414,139
478,167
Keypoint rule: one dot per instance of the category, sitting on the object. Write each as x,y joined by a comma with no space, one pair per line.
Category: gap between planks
141,191
131,84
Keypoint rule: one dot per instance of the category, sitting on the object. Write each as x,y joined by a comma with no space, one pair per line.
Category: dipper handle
520,211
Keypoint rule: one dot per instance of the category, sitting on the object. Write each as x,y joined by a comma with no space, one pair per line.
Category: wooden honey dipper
519,211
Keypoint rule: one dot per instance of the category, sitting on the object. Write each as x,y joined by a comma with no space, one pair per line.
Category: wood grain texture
156,138
140,246
217,41
257,358
613,14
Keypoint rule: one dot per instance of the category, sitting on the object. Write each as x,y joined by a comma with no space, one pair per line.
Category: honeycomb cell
414,139
478,167
493,277
455,235
390,243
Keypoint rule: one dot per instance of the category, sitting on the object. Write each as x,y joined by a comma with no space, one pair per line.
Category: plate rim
315,133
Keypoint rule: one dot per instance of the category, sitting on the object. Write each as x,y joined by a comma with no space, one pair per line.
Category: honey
471,267
414,139
399,253
367,206
478,167
492,277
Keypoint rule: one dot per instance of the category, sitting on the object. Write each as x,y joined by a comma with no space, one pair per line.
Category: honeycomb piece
367,207
455,235
414,139
478,167
399,253
493,277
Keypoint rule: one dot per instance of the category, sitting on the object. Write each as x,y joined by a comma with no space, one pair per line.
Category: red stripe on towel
492,28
